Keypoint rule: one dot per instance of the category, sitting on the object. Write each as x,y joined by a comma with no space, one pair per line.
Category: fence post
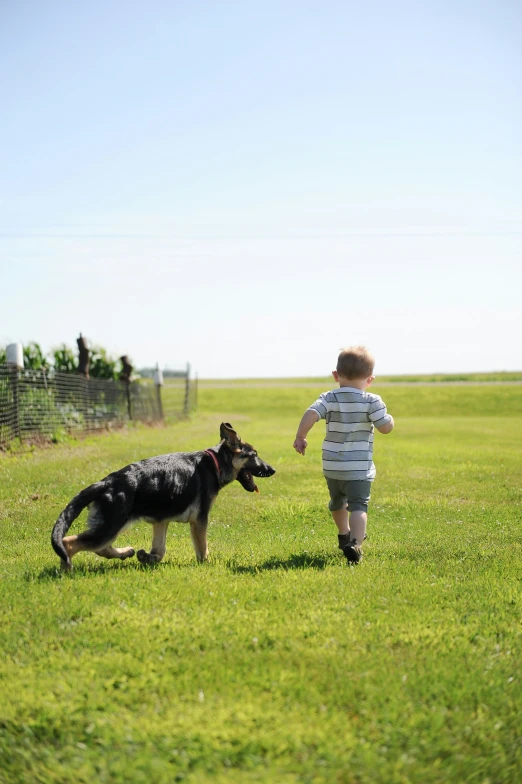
125,376
187,391
128,393
158,381
15,362
83,356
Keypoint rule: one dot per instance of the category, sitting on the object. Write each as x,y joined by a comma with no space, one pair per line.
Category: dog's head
245,459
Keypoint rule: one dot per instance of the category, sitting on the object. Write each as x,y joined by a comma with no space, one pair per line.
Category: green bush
64,359
34,358
102,365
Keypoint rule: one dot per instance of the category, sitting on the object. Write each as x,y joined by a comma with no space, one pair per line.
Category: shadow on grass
101,568
89,570
295,561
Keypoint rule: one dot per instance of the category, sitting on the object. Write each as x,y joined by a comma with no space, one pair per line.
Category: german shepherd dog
181,487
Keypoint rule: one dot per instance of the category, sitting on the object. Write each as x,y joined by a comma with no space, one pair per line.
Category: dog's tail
69,514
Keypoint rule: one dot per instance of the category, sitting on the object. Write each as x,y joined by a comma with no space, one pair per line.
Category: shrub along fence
43,404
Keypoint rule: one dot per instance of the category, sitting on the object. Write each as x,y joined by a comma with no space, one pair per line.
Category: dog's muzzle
260,469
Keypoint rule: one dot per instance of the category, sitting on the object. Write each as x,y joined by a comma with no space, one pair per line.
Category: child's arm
310,417
379,417
388,427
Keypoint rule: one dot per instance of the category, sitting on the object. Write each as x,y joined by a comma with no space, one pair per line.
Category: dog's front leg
198,532
159,546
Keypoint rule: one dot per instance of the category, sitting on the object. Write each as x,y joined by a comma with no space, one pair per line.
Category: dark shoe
344,540
353,552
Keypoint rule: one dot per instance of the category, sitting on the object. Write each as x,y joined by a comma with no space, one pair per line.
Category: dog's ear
227,432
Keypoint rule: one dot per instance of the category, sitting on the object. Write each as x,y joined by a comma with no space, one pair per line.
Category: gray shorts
354,491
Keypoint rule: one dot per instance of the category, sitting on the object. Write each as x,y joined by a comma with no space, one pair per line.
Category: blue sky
250,186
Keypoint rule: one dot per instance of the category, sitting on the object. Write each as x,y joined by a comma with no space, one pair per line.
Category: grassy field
501,377
276,661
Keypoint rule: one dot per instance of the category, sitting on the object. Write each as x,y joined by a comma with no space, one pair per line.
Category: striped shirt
350,416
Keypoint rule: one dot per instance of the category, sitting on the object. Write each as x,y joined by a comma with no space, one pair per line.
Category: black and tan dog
180,487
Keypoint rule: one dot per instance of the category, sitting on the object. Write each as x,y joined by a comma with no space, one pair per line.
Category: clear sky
250,186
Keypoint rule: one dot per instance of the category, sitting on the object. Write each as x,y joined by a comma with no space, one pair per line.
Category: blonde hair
355,362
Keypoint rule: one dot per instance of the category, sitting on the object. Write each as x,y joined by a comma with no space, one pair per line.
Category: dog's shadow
86,569
294,561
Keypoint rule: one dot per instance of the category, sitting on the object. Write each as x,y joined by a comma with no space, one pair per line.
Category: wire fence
37,405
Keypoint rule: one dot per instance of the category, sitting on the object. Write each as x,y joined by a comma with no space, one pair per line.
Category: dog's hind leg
159,546
198,532
116,552
98,542
104,526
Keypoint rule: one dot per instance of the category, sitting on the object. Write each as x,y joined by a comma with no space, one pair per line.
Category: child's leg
358,494
339,511
357,526
340,517
350,517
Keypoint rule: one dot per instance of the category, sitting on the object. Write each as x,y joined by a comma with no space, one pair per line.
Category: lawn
276,661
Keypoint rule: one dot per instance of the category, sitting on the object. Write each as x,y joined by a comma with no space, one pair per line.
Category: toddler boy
351,414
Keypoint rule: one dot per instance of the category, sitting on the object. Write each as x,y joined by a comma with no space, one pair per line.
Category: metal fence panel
38,404
8,405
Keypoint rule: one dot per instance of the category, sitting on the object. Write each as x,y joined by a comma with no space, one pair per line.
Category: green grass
276,662
427,378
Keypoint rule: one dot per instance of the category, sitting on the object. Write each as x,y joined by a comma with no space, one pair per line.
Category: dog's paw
147,559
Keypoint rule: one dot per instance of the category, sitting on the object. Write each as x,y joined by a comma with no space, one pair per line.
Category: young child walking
351,414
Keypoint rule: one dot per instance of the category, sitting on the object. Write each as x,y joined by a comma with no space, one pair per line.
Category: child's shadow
295,561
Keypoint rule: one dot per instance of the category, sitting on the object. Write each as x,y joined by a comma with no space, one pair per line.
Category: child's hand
300,445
